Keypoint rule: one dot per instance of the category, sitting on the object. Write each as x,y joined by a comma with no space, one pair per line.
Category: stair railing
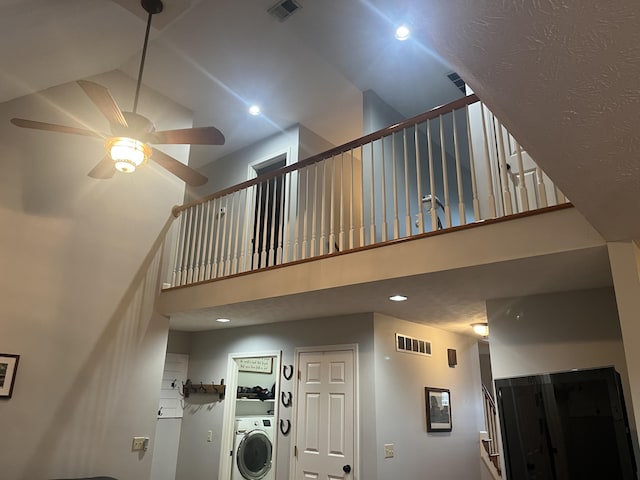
490,418
448,167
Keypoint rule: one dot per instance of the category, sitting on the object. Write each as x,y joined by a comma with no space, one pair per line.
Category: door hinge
299,375
231,453
295,450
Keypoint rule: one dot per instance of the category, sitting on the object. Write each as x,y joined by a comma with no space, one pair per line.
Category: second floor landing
446,275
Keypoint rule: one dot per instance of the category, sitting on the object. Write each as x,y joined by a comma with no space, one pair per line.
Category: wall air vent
407,344
457,81
284,9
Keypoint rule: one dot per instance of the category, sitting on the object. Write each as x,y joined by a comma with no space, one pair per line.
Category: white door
529,187
326,415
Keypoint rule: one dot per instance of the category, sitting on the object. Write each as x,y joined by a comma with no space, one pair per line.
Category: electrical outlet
389,450
210,436
139,444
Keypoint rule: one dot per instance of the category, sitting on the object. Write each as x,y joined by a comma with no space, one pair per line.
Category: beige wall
625,268
199,459
400,419
80,274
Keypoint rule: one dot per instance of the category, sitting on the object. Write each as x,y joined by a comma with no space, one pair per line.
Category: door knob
346,468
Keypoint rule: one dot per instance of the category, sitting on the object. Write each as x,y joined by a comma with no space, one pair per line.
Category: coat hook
160,411
202,387
286,399
173,384
287,376
285,430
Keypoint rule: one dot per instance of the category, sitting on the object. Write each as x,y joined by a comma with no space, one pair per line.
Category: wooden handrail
487,395
423,117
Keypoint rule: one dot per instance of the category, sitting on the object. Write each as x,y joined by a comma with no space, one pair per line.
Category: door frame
228,418
353,347
252,173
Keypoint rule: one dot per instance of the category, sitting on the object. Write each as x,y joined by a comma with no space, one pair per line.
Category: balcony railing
451,166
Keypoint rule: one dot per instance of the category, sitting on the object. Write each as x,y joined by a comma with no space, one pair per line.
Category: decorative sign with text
255,364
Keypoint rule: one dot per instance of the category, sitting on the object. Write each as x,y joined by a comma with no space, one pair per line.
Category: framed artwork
255,364
8,368
438,404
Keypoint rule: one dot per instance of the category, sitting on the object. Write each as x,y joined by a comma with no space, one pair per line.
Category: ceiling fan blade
104,169
52,127
193,136
180,170
102,99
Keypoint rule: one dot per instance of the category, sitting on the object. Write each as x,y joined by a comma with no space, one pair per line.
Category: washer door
254,455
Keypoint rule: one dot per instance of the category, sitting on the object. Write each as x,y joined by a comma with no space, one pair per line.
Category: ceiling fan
131,133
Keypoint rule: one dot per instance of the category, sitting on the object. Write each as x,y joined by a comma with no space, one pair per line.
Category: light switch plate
138,444
389,450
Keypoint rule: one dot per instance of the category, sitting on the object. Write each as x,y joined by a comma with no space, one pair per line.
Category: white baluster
352,195
287,230
177,270
196,269
192,242
461,207
216,250
361,202
314,215
332,207
522,187
305,215
394,181
264,259
231,214
432,182
341,203
542,189
372,221
472,167
280,226
224,224
323,204
407,218
384,194
487,157
445,181
506,191
420,220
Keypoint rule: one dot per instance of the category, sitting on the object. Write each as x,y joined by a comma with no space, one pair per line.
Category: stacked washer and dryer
253,448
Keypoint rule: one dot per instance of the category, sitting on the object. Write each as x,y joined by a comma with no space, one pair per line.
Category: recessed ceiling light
223,320
254,110
402,33
397,298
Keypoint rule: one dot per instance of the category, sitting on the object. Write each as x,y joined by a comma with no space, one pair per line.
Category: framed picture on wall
438,404
8,367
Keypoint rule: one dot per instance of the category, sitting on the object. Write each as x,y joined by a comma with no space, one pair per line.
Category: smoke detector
284,9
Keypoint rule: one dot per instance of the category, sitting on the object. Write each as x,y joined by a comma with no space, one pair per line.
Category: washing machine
253,449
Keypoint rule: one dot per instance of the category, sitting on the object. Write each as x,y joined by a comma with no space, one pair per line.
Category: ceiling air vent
284,9
457,81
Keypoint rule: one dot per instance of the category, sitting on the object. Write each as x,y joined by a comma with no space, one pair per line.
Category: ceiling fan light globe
127,153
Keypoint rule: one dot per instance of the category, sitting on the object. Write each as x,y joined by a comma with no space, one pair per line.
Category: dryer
253,449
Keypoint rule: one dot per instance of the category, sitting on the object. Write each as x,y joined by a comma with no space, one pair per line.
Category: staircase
489,451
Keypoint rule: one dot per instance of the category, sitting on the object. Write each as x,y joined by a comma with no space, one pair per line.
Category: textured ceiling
562,75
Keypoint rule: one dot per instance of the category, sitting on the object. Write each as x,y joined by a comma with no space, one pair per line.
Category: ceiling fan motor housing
152,6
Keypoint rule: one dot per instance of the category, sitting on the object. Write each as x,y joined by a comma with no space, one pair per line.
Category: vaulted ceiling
562,75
